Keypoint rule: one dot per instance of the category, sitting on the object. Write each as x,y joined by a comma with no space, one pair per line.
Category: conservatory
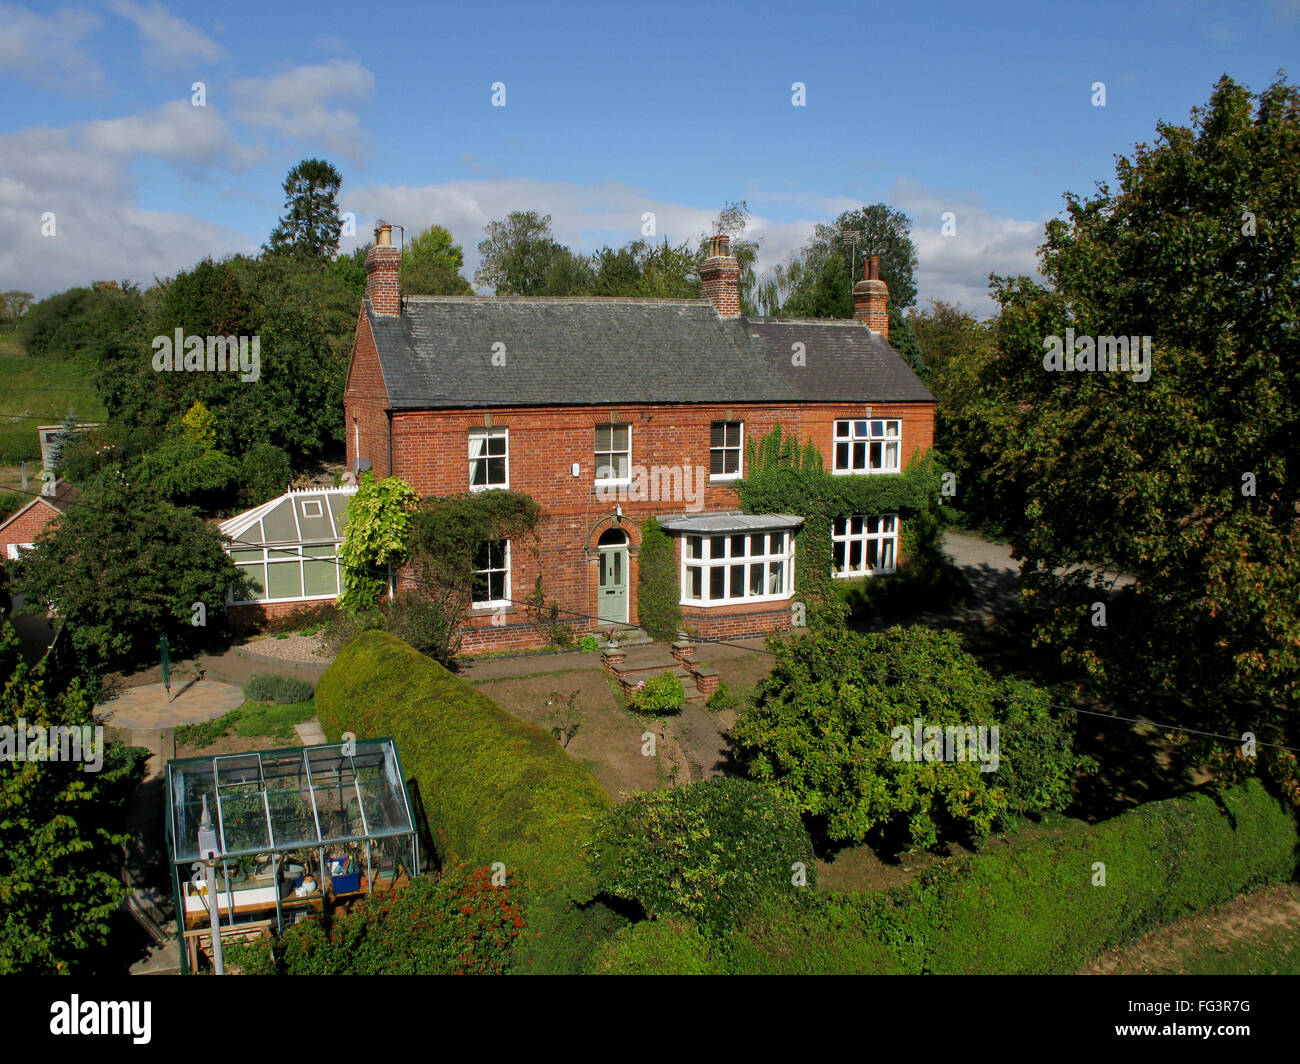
297,830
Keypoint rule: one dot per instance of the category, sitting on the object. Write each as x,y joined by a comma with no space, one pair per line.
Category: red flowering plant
459,922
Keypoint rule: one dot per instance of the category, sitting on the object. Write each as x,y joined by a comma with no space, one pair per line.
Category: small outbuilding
298,830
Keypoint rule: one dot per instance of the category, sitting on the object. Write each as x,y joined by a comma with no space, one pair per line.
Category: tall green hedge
1034,909
493,787
659,586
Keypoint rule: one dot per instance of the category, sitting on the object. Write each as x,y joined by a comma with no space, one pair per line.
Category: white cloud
82,176
954,268
168,40
176,131
49,47
295,104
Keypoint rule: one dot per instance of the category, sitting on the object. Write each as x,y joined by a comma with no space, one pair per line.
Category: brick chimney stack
871,299
720,277
383,269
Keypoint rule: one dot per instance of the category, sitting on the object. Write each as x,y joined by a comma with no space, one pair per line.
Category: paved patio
146,707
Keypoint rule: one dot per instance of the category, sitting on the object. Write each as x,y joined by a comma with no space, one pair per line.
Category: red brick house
25,526
611,411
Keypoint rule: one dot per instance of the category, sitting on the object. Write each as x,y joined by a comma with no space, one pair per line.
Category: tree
522,258
711,851
60,828
823,732
1182,470
954,347
264,473
819,280
309,228
90,324
124,567
431,265
14,304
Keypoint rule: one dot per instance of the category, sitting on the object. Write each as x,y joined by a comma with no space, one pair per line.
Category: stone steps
630,665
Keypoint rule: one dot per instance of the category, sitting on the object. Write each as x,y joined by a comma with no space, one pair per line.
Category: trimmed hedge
493,788
655,947
1034,909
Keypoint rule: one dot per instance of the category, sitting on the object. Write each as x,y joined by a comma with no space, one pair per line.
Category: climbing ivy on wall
379,521
659,584
784,477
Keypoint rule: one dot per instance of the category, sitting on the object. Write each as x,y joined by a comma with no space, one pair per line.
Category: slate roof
438,354
705,524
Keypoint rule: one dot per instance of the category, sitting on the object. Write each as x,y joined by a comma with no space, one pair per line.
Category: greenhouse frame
298,830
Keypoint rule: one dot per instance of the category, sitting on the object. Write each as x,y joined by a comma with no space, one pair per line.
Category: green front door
612,597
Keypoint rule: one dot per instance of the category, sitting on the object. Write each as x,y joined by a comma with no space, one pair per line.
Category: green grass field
37,392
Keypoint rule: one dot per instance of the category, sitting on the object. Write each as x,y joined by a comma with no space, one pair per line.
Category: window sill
863,472
489,487
736,602
863,574
715,478
487,609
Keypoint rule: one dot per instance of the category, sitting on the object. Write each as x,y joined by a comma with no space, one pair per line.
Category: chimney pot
871,299
383,272
720,277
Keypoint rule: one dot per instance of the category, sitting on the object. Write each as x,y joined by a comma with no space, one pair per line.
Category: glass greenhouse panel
279,526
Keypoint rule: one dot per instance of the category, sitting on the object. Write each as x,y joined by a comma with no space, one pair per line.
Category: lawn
37,392
252,720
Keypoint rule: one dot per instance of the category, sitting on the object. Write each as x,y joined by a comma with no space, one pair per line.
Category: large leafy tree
309,228
60,830
1186,480
14,304
821,732
431,265
818,280
303,319
954,347
124,567
522,258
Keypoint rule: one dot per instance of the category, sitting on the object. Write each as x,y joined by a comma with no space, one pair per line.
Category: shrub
655,947
709,851
493,788
454,923
10,503
426,623
828,721
264,473
658,585
1034,909
279,689
588,644
658,695
726,697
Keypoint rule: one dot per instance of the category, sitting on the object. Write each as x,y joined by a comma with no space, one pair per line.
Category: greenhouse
297,831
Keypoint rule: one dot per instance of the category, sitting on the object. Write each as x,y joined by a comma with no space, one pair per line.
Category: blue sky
611,111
